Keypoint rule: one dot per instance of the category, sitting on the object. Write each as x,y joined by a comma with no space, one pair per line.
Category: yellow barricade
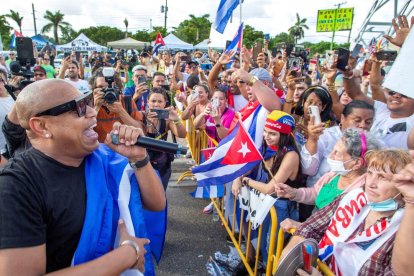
197,140
274,251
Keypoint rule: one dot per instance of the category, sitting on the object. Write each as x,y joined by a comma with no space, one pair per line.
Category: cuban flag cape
113,193
213,172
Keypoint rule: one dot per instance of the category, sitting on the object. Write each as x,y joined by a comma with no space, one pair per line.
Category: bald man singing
70,205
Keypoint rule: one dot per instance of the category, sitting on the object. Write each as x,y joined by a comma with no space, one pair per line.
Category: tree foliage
55,23
194,30
15,16
322,46
5,30
296,30
146,36
102,34
251,35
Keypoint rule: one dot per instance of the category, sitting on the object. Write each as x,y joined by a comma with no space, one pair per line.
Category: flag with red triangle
242,149
12,44
157,44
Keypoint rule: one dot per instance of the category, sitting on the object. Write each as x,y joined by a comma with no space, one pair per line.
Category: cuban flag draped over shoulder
220,169
12,44
223,15
113,194
159,42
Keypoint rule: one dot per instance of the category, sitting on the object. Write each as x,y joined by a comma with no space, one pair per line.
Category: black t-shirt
42,202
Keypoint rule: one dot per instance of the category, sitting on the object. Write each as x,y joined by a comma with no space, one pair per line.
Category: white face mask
338,166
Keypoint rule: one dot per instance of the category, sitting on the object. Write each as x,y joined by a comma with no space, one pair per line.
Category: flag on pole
236,44
13,39
157,44
214,172
223,15
242,149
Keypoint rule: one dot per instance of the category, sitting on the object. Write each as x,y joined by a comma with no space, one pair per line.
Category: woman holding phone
157,126
216,118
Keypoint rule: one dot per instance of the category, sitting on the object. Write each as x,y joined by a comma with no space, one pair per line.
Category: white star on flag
244,149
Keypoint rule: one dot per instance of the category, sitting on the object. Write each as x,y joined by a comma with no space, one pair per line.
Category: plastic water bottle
216,216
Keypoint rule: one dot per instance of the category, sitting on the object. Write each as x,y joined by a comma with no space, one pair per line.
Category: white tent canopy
127,43
173,42
204,45
82,44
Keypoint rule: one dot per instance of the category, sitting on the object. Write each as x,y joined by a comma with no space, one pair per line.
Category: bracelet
289,101
252,81
348,78
177,122
408,201
140,164
135,246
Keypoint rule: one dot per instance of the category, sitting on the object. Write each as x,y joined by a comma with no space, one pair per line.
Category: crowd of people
342,176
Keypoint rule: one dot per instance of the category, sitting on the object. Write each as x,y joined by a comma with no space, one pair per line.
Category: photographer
158,121
139,91
110,104
14,134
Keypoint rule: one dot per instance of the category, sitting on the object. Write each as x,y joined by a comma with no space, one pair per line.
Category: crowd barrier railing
276,242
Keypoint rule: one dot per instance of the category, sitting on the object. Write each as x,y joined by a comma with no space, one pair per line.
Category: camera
111,93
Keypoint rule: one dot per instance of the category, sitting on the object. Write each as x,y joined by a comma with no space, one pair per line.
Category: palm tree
126,27
56,22
296,30
15,16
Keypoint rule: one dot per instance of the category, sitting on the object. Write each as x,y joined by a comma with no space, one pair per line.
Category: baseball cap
192,62
262,74
139,67
39,68
280,121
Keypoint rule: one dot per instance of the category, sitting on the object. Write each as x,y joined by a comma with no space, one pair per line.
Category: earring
47,135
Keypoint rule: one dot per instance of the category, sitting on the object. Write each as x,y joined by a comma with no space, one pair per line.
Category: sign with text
326,20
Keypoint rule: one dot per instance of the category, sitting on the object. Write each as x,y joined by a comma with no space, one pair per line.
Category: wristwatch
141,163
252,80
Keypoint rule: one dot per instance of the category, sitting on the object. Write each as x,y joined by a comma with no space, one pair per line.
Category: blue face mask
384,206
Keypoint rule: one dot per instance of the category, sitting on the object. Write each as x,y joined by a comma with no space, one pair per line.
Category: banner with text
326,20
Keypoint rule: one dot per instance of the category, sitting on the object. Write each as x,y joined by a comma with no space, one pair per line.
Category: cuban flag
221,168
223,15
159,42
12,44
236,44
112,194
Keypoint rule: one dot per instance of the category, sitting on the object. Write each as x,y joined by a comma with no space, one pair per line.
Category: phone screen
356,50
343,56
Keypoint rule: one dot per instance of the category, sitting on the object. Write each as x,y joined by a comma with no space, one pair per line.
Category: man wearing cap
39,73
139,91
12,57
191,68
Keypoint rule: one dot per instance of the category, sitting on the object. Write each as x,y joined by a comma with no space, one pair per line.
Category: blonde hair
388,160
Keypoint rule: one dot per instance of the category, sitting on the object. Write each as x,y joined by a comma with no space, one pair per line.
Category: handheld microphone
160,145
156,145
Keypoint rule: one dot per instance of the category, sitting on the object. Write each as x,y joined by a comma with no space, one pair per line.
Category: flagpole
241,39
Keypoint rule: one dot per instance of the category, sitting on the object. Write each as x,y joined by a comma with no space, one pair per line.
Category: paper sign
399,78
326,20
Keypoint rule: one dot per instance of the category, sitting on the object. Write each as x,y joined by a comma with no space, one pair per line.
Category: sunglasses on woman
79,105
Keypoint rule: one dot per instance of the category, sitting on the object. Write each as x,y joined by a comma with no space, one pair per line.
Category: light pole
164,9
334,26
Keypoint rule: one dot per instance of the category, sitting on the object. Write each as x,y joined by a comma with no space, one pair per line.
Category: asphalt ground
192,236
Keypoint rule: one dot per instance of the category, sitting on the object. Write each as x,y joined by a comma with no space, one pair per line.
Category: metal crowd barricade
280,243
197,140
237,241
276,242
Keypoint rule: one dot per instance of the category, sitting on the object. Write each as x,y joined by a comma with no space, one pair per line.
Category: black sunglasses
392,93
79,105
